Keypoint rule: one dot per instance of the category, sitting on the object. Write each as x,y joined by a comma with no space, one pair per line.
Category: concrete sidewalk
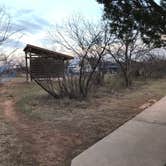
139,142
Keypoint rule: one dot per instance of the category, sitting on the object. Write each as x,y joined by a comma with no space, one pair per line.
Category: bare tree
153,63
87,41
126,52
8,33
7,30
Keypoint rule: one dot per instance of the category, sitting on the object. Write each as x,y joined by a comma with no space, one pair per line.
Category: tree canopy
144,16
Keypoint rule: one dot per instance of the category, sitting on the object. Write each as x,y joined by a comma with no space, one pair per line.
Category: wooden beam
26,63
30,66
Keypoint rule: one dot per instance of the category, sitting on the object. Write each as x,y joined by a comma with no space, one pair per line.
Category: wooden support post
26,63
30,67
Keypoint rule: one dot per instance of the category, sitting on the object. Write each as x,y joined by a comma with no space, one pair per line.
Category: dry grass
75,124
13,152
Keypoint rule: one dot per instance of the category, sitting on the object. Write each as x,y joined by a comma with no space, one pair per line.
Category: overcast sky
37,16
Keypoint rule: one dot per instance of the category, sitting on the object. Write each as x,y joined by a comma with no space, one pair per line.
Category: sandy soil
26,141
46,146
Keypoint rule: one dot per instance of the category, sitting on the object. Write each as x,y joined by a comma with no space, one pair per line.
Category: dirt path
9,113
45,132
41,143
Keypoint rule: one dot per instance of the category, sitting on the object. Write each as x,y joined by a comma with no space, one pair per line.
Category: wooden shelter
43,63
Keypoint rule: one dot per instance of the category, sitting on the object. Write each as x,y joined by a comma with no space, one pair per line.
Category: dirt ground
37,130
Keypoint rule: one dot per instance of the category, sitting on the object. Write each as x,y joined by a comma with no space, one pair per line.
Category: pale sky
37,16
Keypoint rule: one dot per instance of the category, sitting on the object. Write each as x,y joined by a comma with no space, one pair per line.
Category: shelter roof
45,52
